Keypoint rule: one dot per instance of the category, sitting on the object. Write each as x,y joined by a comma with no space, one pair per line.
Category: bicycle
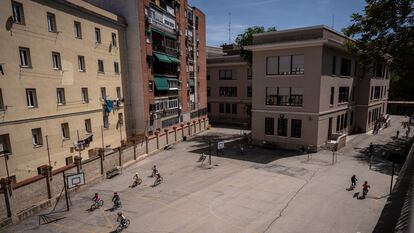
158,181
116,206
97,205
123,225
136,182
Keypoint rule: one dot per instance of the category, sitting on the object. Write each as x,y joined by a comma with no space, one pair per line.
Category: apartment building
60,83
229,86
308,87
167,63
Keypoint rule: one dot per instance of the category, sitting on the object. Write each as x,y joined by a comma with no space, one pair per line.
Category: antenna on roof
333,21
229,27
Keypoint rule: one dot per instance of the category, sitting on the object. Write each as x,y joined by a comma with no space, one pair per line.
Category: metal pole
6,157
66,191
48,151
209,152
102,136
392,174
333,157
79,150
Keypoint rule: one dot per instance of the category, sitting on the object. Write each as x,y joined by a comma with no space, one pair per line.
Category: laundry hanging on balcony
108,106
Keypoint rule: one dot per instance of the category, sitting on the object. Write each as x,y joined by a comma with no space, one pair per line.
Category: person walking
353,182
398,134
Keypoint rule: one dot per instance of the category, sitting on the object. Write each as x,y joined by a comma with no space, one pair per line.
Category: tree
386,29
246,38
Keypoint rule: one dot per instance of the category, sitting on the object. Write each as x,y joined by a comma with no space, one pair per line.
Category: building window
379,71
284,96
296,128
377,92
60,93
331,101
338,122
105,121
88,126
353,94
221,108
56,61
51,22
65,131
85,95
98,35
249,91
101,68
208,75
249,73
345,67
116,67
25,60
225,74
282,125
18,13
284,65
269,126
118,93
103,93
272,65
234,109
2,108
37,137
114,43
78,30
208,91
228,108
208,107
298,64
31,98
228,91
343,94
81,63
334,65
351,120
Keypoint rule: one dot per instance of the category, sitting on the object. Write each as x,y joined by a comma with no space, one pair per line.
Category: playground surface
258,191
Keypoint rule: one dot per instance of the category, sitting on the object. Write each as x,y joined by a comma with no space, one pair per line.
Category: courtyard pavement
261,190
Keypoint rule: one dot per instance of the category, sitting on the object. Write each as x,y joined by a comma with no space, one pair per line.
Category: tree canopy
246,38
386,29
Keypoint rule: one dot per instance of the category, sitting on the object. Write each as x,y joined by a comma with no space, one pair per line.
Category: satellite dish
9,23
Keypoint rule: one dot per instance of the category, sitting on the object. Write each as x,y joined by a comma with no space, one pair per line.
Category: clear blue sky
283,14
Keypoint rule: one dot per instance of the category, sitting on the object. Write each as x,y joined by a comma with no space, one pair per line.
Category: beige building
229,86
308,88
60,81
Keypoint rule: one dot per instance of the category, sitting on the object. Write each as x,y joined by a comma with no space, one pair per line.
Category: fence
28,197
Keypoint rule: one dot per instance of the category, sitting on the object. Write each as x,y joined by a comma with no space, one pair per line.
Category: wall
24,203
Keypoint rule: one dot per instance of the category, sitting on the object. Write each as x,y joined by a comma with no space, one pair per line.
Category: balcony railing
165,49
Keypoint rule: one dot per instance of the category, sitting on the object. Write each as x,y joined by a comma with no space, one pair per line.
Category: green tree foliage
386,29
246,38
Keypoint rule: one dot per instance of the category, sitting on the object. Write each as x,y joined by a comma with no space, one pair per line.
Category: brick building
166,57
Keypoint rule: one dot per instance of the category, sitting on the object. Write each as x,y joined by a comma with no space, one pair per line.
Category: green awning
191,82
162,58
173,59
161,83
163,33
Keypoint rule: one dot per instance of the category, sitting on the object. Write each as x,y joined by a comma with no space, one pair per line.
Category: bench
113,172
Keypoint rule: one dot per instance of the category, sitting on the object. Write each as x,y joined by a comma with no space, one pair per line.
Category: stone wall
31,195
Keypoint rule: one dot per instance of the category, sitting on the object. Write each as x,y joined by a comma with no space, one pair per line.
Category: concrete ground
260,191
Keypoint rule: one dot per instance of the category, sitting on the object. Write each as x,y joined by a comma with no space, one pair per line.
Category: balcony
161,21
165,107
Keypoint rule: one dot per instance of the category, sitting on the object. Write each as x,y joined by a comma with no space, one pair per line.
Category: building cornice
297,44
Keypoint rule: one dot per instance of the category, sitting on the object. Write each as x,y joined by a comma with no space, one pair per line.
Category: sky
282,14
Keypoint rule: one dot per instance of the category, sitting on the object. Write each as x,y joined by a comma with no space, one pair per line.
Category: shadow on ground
384,154
232,149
